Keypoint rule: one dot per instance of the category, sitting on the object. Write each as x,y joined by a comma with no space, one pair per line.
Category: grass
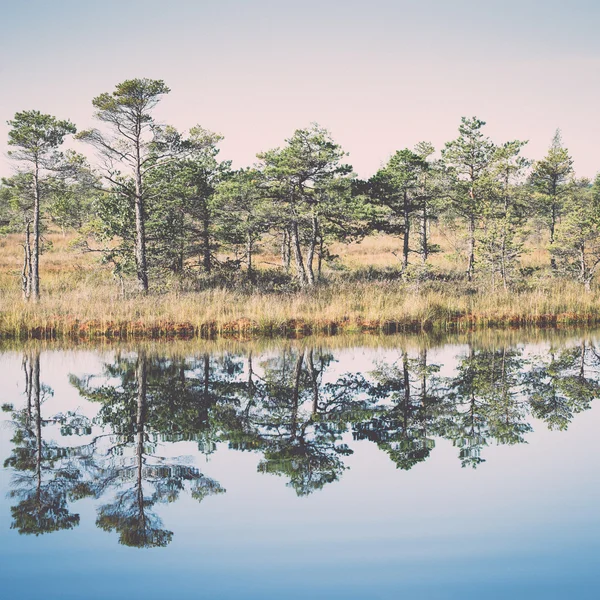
81,300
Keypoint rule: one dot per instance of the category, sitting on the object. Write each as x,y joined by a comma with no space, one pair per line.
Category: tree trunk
552,228
35,256
405,245
583,270
503,262
311,249
26,272
300,270
320,262
471,266
503,257
285,250
424,241
181,250
140,229
249,256
206,259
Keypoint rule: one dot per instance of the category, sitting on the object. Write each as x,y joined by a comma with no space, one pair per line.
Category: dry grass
81,300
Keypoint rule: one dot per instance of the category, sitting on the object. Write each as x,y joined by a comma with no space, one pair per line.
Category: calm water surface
395,469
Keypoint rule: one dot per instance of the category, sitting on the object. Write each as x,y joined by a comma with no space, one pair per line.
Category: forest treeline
158,205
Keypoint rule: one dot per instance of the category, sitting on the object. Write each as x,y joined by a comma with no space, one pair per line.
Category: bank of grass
80,300
337,308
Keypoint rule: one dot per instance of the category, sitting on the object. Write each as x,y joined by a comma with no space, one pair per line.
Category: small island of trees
152,232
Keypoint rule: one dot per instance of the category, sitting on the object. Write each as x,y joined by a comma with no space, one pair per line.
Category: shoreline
243,329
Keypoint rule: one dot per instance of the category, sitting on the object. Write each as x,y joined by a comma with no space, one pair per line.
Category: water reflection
47,475
300,410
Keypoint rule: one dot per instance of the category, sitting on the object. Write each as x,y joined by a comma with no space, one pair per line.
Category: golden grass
81,300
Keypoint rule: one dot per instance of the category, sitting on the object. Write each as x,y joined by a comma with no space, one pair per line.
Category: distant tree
505,215
16,202
36,138
397,187
468,160
310,189
576,244
182,209
431,190
551,182
72,192
243,213
134,146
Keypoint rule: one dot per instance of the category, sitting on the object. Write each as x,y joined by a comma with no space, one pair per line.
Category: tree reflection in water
45,475
292,408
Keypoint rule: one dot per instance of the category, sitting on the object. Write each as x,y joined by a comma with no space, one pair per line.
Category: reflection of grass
81,299
480,339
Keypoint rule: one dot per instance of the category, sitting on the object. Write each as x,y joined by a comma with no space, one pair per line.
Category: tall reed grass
80,300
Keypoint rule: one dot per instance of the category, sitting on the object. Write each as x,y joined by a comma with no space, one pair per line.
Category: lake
389,467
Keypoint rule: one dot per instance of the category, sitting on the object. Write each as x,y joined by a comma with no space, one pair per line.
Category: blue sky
381,75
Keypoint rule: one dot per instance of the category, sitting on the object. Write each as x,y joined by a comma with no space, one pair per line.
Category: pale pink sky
380,75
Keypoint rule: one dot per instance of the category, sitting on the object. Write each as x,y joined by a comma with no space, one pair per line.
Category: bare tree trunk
471,266
406,241
286,250
301,271
424,241
206,258
583,270
320,261
140,228
503,262
249,256
503,257
423,366
181,250
311,249
26,271
35,257
552,229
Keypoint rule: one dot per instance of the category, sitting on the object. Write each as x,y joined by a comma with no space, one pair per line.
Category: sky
381,75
